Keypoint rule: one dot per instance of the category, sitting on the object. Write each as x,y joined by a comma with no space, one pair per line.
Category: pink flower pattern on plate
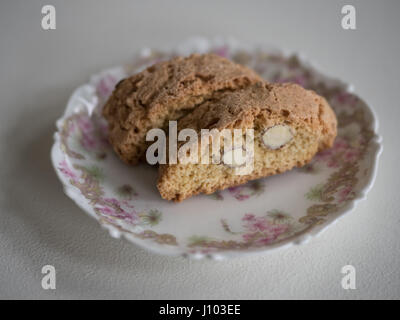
341,152
114,208
222,51
63,167
345,193
105,86
345,98
262,230
237,193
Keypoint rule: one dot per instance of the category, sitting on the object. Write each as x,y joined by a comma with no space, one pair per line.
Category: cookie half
167,91
290,125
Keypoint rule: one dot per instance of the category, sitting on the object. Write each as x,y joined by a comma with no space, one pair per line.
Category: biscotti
167,91
290,126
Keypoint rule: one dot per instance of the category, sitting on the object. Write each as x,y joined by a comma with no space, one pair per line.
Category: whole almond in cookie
277,136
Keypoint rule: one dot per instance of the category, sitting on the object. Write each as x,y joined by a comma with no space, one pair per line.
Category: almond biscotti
290,125
167,91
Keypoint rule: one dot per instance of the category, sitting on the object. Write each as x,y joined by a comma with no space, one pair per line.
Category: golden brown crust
166,91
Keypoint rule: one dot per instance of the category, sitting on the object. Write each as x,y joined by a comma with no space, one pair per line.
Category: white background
39,225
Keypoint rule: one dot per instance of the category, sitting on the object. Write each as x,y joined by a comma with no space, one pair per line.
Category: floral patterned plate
255,217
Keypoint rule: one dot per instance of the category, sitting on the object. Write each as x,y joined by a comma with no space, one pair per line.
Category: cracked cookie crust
167,91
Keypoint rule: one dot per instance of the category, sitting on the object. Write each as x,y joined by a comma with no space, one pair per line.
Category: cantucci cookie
290,125
166,91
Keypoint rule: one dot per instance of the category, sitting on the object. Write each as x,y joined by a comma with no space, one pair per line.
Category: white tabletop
39,225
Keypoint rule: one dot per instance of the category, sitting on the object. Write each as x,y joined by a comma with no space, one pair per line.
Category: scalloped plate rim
376,149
